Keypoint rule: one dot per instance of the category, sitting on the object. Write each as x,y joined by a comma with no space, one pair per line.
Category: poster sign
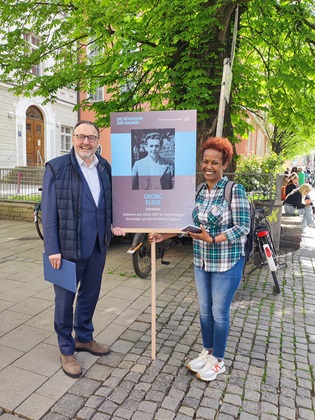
153,169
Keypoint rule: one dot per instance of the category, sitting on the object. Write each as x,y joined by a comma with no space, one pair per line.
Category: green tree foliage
275,72
167,55
258,173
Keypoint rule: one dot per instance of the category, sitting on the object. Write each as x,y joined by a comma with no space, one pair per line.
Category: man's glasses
82,137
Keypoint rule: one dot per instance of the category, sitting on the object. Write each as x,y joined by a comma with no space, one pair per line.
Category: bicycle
141,252
38,218
264,249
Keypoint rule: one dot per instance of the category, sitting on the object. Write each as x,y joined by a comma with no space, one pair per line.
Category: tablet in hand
192,229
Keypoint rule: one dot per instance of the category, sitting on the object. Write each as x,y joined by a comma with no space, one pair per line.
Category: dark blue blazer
71,219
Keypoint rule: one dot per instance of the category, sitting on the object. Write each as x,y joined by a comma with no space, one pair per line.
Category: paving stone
140,415
304,402
247,416
182,417
230,409
205,413
104,391
155,396
287,413
94,401
251,407
101,416
69,405
130,404
269,408
119,396
86,413
49,416
127,385
148,407
233,399
124,413
108,407
191,402
119,372
304,414
163,414
85,387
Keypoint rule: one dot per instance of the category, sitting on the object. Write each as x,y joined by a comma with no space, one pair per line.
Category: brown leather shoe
71,366
92,347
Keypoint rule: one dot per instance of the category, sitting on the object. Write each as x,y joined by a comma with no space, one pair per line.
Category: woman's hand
203,236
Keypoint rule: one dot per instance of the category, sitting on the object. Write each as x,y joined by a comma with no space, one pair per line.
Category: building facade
34,133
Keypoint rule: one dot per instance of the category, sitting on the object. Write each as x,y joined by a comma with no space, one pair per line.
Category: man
153,172
77,218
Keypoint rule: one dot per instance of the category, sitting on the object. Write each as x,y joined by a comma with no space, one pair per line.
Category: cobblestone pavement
270,355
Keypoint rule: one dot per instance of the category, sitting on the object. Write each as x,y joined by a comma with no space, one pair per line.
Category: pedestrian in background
301,175
298,200
77,223
292,183
218,254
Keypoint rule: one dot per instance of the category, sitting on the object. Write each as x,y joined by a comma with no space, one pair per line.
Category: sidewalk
270,356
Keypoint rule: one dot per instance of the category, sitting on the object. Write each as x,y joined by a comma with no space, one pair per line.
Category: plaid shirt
213,211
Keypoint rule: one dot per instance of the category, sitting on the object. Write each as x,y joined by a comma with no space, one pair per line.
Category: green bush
258,173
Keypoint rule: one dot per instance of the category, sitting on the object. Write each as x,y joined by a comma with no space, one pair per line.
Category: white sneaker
211,370
311,225
196,364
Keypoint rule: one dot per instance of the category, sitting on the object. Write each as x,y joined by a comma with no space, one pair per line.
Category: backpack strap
228,192
199,188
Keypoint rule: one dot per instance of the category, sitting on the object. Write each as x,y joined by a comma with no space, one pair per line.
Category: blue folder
65,277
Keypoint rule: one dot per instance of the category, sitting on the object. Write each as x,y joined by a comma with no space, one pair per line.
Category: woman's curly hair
221,144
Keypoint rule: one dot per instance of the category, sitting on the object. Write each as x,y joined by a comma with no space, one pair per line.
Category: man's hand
117,231
55,260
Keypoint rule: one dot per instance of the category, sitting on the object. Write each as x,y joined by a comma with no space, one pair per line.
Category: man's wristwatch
213,239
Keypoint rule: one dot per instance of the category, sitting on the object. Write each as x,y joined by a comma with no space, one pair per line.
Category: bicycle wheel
38,221
141,259
260,249
275,280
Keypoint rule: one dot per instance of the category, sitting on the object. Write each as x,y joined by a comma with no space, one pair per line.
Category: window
98,95
94,53
66,138
34,43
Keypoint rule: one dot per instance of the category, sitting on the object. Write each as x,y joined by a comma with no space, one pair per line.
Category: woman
293,183
294,201
218,254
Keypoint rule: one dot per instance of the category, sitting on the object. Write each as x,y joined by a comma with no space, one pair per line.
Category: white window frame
66,138
98,95
34,42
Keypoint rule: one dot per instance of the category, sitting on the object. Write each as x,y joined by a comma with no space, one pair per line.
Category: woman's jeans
215,294
306,212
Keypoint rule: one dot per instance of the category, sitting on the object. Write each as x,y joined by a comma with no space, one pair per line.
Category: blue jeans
215,294
306,212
